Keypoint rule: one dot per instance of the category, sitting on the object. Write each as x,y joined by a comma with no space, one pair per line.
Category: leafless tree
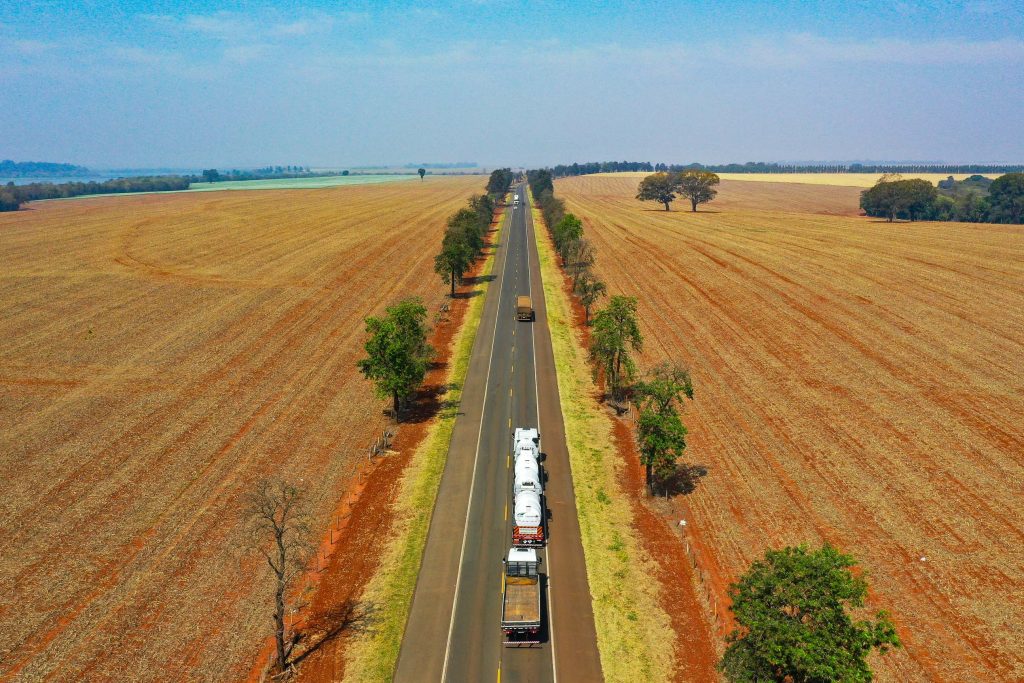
279,531
582,260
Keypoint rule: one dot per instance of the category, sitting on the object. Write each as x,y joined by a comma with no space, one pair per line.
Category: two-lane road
453,632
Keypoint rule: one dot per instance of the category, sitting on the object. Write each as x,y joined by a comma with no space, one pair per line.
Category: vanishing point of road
453,633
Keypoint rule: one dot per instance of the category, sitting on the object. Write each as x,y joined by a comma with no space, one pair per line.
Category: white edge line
536,392
472,484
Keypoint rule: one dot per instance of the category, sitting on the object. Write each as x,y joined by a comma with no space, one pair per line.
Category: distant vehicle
520,598
524,308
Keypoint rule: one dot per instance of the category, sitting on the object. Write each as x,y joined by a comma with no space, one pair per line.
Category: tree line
1001,201
464,239
588,168
13,196
500,182
37,169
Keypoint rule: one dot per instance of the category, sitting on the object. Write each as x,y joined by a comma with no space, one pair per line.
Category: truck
527,438
520,598
527,475
528,519
524,308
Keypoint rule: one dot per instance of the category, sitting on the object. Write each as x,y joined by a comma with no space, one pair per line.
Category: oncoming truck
520,597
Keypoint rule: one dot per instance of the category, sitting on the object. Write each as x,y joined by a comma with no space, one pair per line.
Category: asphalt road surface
453,633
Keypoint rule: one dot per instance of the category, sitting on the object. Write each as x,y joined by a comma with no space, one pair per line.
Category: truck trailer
524,308
520,598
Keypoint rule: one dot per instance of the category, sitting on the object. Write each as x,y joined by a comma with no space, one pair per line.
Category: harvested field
159,354
857,381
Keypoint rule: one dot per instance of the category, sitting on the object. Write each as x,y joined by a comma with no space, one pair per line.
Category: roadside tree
792,610
615,334
454,260
697,186
657,187
662,440
278,526
589,289
397,351
565,232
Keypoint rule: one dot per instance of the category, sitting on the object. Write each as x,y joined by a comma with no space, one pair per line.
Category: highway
453,632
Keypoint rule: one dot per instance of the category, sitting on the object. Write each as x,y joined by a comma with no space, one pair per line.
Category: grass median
373,655
634,634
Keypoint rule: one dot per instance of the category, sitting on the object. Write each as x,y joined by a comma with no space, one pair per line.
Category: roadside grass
634,635
372,656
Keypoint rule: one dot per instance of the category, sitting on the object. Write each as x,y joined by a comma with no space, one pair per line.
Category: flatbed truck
520,598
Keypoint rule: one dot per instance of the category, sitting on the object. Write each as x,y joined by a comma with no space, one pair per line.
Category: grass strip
372,656
634,634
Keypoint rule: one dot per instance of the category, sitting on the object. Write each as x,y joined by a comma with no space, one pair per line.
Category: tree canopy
615,334
697,186
422,172
397,352
792,609
657,187
1006,196
499,182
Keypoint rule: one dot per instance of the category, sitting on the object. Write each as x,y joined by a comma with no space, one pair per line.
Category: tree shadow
429,401
348,617
471,294
477,279
683,481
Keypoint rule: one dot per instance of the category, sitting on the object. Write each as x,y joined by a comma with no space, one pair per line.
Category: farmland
857,381
160,353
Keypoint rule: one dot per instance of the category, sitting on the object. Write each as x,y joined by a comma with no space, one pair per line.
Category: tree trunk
650,478
693,205
279,622
394,397
453,283
666,205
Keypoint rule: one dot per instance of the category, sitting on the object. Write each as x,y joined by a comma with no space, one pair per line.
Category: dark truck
520,598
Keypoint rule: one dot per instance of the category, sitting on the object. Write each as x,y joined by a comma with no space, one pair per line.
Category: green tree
1006,196
657,187
697,186
589,289
615,333
397,352
793,620
662,439
665,387
565,232
422,172
454,259
211,175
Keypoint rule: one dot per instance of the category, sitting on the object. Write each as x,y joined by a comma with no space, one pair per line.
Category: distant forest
575,169
39,169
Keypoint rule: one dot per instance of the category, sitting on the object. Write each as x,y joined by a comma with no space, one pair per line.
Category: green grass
373,656
634,634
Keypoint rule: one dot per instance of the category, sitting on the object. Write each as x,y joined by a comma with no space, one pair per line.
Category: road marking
499,671
506,507
472,484
510,423
510,392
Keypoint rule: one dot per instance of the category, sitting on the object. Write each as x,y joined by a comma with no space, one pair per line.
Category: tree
398,354
589,289
211,175
665,387
1006,196
564,233
697,186
615,333
422,172
454,260
499,182
581,258
792,611
662,439
658,187
278,525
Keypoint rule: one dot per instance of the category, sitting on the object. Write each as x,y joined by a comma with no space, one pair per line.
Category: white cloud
31,47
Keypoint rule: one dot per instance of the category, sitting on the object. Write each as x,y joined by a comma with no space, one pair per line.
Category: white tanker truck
528,511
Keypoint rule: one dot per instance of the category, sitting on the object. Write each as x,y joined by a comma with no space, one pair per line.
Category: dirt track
856,381
159,353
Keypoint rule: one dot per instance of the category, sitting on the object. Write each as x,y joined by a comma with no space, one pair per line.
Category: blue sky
522,83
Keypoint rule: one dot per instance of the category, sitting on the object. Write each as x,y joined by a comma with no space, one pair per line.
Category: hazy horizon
509,84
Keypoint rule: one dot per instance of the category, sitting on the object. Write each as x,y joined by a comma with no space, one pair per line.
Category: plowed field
857,381
157,355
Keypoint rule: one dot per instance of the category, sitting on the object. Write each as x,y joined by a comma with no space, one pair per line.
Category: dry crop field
857,381
158,354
